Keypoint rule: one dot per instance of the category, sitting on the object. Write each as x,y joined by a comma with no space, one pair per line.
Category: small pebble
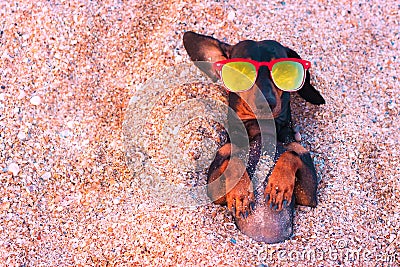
22,94
46,176
70,124
210,236
5,205
391,105
66,133
231,15
297,136
230,226
59,208
30,189
13,168
36,100
21,136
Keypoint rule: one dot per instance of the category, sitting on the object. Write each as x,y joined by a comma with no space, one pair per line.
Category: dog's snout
264,104
268,98
271,99
266,88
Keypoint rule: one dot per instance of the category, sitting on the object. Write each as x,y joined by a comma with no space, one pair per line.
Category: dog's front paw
279,188
240,199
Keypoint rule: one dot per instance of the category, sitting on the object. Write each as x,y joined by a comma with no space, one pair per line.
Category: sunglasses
239,74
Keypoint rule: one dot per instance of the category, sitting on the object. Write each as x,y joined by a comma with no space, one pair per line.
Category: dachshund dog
293,178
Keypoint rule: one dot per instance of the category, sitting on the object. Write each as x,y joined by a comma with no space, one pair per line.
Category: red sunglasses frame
257,64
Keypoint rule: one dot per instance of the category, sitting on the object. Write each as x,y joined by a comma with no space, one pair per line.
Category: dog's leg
229,182
305,188
281,182
293,173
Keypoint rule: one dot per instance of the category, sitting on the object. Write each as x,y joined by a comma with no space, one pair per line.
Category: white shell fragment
13,168
46,176
36,100
21,135
231,15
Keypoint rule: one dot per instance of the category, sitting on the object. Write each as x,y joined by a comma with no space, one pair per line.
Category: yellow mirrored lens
288,75
239,76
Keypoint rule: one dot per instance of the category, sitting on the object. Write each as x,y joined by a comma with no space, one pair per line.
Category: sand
68,70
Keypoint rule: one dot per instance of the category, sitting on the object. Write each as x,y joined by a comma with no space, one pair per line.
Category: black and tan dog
293,178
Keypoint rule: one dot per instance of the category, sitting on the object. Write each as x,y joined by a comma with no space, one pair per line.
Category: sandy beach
68,71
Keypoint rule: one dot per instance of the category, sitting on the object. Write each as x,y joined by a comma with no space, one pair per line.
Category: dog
293,177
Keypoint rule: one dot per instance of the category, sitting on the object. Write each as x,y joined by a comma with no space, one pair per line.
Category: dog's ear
204,51
307,92
205,48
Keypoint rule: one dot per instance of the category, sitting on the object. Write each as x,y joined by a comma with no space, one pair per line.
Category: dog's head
246,104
